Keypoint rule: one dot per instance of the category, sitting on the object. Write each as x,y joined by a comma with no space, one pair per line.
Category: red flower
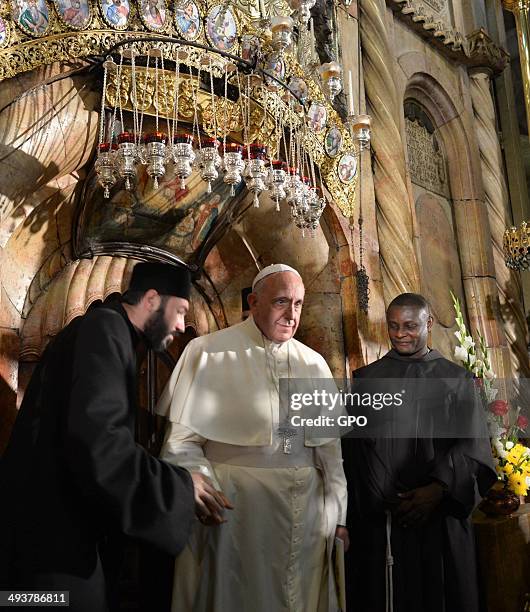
499,407
522,422
479,383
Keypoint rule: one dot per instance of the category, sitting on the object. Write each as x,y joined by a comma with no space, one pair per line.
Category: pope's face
408,329
277,305
166,322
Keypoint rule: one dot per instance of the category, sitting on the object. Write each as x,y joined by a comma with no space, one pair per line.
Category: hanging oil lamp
360,130
105,167
183,157
330,74
155,155
276,180
208,161
126,158
256,170
293,186
282,33
233,165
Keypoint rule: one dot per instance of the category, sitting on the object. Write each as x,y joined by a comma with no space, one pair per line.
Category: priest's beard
156,329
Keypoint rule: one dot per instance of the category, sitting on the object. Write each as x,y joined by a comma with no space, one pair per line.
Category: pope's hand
209,502
342,533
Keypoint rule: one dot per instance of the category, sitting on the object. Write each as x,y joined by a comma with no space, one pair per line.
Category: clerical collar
260,337
430,356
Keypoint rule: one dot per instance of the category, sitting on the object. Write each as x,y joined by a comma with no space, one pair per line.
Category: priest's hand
209,502
342,533
417,504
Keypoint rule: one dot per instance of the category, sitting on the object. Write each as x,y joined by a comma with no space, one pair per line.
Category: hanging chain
102,118
166,98
134,94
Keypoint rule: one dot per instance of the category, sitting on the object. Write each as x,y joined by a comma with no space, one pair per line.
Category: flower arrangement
512,457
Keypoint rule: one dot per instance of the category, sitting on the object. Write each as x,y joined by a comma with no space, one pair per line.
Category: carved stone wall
393,200
443,91
497,199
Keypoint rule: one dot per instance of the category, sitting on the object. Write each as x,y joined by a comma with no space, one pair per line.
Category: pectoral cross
286,433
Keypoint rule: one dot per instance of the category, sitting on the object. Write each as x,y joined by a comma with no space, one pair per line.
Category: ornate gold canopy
65,30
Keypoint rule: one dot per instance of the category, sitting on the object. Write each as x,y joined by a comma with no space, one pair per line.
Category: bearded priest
263,540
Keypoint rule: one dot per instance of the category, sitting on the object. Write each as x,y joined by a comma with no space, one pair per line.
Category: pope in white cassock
270,502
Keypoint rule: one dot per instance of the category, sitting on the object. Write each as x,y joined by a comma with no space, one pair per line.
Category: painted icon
250,46
317,117
32,16
75,13
347,168
299,87
116,12
333,141
3,33
187,19
221,28
153,13
276,67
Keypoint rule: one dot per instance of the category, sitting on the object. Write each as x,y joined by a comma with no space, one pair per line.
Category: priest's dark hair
134,297
414,300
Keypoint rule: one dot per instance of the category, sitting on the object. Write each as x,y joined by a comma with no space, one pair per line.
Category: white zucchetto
273,269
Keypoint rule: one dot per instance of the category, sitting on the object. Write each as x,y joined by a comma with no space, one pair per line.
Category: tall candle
351,110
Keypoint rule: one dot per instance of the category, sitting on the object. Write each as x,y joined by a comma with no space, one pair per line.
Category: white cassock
274,553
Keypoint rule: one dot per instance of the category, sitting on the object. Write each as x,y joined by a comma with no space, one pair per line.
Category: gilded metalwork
20,52
516,247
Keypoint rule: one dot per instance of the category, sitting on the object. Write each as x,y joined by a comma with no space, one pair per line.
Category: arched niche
466,197
436,238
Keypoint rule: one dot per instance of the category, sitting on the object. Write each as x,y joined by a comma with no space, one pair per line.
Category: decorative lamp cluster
222,89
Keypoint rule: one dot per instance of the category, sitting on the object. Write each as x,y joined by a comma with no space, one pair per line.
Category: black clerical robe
434,567
73,475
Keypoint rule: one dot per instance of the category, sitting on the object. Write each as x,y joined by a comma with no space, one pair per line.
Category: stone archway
470,213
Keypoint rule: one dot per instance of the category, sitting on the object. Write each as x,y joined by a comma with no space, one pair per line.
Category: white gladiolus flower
468,342
509,445
489,374
472,359
460,354
479,364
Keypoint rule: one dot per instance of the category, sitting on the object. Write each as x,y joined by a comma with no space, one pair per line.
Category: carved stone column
394,211
498,207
